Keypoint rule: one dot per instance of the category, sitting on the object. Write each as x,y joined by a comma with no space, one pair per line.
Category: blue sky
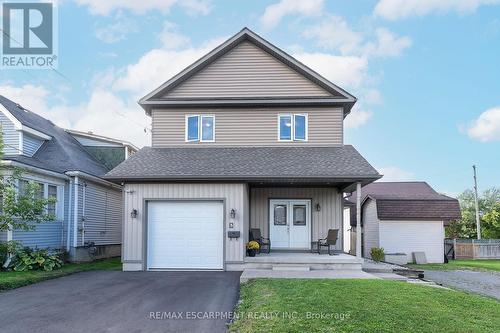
426,73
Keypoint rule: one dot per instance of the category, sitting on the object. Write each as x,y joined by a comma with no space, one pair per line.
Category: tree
489,212
21,210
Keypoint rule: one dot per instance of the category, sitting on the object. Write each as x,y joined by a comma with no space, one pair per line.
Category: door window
279,214
299,214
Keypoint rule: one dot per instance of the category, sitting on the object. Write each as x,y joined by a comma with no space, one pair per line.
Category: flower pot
251,252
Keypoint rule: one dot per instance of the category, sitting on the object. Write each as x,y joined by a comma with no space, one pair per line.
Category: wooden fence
473,248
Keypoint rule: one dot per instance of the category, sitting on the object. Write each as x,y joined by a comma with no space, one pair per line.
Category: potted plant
252,248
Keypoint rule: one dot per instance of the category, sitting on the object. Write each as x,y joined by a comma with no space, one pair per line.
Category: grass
360,306
11,279
487,264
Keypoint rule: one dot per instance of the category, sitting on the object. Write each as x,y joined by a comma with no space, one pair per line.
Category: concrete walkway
314,274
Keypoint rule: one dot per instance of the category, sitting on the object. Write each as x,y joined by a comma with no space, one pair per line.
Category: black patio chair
264,243
329,241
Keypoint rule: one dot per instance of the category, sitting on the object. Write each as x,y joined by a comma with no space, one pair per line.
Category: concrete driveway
481,282
112,301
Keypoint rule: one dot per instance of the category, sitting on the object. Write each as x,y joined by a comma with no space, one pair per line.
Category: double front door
290,224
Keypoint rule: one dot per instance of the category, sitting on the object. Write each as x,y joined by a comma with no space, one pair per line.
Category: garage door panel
412,236
185,235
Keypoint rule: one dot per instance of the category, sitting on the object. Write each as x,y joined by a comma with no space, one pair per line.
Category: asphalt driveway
481,282
112,301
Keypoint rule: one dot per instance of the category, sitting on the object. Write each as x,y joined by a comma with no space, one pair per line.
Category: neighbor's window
52,193
200,128
292,127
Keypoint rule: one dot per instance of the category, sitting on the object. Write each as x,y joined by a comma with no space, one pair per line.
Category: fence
472,248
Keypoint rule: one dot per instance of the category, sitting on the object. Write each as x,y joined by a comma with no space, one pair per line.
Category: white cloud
395,174
387,44
171,38
342,70
105,7
333,32
117,30
357,118
105,113
399,9
275,12
487,126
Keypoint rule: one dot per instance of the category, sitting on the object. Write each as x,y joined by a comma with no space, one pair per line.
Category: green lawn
491,264
360,306
11,279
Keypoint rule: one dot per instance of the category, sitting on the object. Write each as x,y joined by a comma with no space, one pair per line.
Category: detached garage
404,217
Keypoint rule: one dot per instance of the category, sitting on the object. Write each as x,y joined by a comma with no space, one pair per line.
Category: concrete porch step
319,274
301,268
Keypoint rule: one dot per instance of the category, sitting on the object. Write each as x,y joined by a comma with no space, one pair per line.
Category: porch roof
333,166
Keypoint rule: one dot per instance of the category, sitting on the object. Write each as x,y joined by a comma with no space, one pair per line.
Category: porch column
358,220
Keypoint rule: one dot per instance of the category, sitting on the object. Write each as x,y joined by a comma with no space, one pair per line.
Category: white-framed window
46,191
292,127
200,128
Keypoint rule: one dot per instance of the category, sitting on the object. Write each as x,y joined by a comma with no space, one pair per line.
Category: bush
253,245
6,248
377,253
29,259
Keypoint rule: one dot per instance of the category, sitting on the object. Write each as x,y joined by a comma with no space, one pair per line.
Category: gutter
92,178
10,163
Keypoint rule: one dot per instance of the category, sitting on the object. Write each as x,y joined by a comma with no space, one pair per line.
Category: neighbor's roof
250,164
98,137
59,154
339,95
407,201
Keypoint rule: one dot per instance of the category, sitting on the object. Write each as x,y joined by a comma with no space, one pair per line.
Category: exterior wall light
232,213
318,207
133,213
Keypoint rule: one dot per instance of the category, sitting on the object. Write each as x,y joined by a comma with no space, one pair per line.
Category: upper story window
200,128
292,127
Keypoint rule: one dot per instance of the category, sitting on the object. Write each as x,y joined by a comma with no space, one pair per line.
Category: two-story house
68,166
246,137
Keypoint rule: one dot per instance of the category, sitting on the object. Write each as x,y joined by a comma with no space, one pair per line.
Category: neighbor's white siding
412,236
370,227
136,194
329,217
247,71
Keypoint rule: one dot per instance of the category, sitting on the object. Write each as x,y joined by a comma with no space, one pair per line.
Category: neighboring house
404,217
246,137
88,208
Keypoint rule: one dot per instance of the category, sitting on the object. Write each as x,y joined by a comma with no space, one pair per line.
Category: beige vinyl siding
329,217
135,195
247,71
248,126
370,227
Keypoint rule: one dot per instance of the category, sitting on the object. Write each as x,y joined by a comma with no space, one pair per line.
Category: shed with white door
404,217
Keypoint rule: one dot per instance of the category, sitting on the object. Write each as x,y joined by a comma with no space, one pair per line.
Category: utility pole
478,223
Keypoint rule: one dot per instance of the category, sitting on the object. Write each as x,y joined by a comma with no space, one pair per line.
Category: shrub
253,245
377,253
29,259
8,248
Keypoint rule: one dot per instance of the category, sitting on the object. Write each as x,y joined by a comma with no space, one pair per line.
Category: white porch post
358,220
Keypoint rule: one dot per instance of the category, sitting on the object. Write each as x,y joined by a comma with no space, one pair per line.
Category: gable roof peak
339,95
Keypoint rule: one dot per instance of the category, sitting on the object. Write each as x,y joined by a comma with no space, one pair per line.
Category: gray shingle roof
60,154
245,163
407,201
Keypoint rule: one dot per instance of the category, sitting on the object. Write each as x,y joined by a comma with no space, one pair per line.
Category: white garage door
185,235
411,236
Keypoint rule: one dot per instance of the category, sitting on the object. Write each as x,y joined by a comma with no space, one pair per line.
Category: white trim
33,169
84,192
93,178
75,214
200,124
306,126
68,231
35,133
279,127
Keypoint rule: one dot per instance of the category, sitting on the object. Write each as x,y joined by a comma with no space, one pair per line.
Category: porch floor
284,257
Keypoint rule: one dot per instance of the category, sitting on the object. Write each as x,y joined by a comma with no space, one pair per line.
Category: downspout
358,221
75,215
83,211
68,235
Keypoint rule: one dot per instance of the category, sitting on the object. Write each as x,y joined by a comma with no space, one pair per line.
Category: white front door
290,224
